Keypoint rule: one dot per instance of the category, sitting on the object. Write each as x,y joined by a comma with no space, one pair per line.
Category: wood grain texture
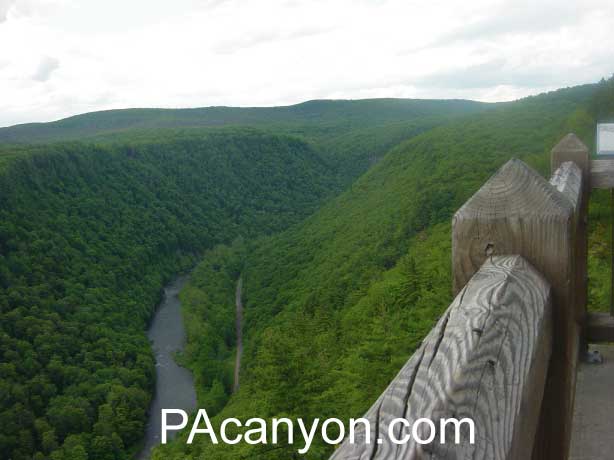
571,148
518,212
515,212
602,174
486,359
567,179
555,431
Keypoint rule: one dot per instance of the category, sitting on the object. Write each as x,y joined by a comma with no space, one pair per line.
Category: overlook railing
504,353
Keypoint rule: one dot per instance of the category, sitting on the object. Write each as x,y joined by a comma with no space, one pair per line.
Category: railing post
570,148
518,212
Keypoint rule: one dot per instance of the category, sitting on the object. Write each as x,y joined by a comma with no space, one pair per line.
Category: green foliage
335,305
602,104
211,295
318,115
350,135
88,235
600,108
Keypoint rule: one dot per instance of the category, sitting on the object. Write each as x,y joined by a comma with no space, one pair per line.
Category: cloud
522,16
496,72
5,6
277,52
214,3
266,36
17,9
516,17
45,68
246,41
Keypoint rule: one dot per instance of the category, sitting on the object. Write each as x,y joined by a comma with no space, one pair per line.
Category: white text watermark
331,430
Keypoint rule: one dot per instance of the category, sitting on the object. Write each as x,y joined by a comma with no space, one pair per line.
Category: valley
323,226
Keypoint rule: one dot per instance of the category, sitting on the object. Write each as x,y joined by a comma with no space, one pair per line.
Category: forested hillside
335,306
601,108
351,135
91,230
320,115
88,236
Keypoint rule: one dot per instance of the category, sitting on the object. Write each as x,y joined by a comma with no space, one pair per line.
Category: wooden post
570,148
518,212
486,359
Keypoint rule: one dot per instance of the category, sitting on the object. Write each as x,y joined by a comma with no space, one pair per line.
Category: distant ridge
322,112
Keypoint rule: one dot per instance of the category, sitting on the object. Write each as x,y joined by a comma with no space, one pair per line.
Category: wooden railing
504,354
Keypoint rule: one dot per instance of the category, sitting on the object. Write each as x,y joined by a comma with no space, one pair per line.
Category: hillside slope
321,113
90,231
351,135
88,236
334,306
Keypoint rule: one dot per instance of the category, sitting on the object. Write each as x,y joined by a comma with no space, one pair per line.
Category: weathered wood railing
504,354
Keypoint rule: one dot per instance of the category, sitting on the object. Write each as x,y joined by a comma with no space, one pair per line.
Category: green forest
88,236
351,135
336,214
336,305
92,230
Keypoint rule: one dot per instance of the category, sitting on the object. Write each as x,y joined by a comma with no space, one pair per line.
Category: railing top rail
486,359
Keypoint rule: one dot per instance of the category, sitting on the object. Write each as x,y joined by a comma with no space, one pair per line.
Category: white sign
605,139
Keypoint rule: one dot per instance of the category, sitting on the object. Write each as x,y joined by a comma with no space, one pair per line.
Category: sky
63,57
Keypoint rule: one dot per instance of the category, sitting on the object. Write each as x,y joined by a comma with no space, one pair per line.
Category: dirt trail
239,329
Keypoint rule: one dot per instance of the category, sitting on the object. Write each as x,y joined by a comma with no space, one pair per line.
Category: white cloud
5,7
24,8
267,52
45,68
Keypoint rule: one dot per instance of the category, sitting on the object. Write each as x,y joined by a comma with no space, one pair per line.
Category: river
174,384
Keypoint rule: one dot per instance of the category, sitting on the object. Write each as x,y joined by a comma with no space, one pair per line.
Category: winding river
174,384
